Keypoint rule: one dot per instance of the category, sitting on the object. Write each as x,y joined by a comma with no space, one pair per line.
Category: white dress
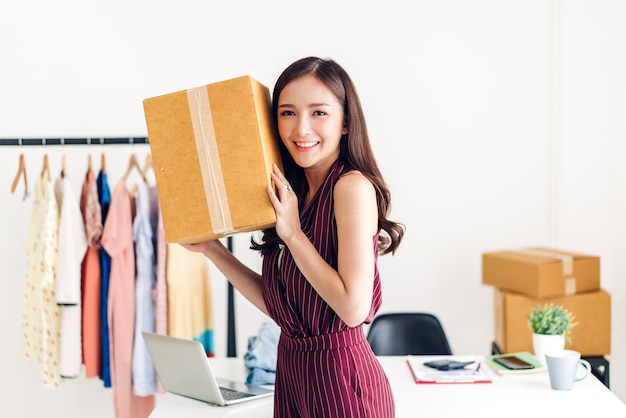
71,251
41,317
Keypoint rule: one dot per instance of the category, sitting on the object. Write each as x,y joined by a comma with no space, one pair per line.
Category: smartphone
513,363
447,364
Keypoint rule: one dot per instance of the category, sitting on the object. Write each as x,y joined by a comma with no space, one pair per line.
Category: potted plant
551,325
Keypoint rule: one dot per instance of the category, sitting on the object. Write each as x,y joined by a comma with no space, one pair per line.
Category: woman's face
310,123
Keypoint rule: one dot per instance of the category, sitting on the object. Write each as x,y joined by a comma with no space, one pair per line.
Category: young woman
320,280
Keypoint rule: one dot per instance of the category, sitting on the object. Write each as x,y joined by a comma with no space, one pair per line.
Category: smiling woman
320,281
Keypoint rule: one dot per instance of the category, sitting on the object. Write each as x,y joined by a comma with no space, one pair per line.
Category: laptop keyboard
230,395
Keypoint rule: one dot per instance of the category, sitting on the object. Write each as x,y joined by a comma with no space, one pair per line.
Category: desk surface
510,396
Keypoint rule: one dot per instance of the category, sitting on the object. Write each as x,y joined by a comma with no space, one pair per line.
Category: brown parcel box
213,147
592,312
541,272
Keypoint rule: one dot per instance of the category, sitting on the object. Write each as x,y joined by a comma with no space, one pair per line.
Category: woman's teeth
306,144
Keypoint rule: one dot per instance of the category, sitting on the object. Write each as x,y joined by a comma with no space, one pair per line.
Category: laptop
183,369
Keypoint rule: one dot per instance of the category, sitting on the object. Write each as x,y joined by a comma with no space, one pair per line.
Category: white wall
498,124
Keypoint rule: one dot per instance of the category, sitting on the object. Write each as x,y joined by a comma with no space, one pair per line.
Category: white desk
507,396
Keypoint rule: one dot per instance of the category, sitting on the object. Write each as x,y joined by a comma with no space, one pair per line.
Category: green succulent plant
551,319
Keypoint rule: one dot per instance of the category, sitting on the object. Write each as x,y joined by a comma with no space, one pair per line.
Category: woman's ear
344,131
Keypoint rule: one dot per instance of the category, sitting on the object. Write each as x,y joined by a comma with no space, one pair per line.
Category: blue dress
104,194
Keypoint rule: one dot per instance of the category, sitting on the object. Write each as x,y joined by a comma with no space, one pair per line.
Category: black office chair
398,334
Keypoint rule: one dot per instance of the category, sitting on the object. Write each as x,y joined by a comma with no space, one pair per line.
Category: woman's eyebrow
318,104
310,105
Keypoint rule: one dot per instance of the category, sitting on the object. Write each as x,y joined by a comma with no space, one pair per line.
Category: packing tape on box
208,156
567,261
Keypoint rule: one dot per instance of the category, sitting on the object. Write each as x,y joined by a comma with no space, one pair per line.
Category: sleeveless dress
324,368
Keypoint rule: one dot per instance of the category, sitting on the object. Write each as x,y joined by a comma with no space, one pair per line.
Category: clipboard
423,374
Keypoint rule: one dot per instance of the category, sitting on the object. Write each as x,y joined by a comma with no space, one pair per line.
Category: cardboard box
591,310
213,148
541,272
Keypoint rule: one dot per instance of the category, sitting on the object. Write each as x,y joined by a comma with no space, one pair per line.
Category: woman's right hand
245,280
206,247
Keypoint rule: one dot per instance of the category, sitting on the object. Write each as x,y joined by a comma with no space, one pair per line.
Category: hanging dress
324,368
117,239
144,375
104,195
41,316
92,216
160,292
72,247
190,310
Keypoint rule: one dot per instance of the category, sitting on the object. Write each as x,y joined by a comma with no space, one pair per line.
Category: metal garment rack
231,348
74,141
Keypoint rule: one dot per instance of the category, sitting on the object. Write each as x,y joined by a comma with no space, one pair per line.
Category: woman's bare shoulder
353,183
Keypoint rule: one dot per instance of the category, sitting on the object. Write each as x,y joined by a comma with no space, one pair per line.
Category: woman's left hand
285,204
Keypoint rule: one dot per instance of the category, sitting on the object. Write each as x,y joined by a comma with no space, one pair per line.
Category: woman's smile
305,145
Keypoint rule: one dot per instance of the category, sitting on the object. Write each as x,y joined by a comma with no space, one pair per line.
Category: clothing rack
231,337
74,141
231,334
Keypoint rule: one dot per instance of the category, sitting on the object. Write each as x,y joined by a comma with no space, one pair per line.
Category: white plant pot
543,344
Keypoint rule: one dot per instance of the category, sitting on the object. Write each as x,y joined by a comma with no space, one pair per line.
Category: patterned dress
324,367
92,215
41,317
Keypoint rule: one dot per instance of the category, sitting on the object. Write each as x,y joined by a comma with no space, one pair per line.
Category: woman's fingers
285,203
279,178
282,186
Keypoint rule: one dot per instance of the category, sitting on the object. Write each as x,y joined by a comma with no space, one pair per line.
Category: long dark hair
354,148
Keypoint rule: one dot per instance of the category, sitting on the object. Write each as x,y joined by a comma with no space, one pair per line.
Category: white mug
563,369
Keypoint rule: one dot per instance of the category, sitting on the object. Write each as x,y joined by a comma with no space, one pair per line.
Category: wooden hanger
132,163
89,166
134,190
63,165
21,172
147,166
103,164
46,167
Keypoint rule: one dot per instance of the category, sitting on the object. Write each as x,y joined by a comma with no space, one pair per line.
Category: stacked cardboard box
213,148
530,277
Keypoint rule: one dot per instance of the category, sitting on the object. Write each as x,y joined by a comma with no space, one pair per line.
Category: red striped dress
324,368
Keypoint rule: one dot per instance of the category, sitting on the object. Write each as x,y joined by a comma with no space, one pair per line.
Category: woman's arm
246,281
348,290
